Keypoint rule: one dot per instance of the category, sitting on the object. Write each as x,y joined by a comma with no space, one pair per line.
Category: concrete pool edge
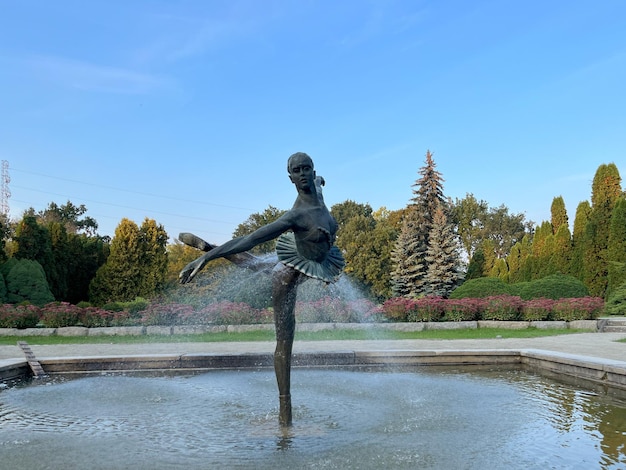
605,372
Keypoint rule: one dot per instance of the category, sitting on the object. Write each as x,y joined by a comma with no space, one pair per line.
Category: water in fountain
343,419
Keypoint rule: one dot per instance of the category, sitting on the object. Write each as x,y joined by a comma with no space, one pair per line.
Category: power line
91,184
127,207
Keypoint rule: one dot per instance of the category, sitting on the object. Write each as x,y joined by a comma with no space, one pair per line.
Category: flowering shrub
426,309
466,309
19,316
231,313
582,308
364,311
165,314
502,307
61,314
398,308
537,309
332,310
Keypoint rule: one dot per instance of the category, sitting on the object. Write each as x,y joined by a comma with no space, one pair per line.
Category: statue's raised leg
285,282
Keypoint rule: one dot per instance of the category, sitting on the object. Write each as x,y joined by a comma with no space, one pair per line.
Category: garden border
590,325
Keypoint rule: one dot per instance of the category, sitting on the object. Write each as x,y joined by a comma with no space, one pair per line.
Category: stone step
616,322
614,329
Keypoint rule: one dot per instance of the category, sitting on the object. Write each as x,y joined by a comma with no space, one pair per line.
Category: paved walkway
597,345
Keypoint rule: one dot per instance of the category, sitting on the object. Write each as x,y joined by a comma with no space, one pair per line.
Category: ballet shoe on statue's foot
284,416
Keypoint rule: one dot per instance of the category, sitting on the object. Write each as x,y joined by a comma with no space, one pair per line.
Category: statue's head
301,171
298,157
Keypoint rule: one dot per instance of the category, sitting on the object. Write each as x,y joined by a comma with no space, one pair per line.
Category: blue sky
186,111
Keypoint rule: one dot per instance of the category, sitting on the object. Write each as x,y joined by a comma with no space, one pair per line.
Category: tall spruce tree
443,272
409,256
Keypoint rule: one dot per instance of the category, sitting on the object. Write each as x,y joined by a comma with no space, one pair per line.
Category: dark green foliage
3,289
7,266
481,287
27,282
256,221
347,210
34,242
556,286
476,266
69,216
5,234
616,303
366,246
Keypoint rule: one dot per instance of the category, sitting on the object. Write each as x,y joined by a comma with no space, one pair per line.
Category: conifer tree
409,256
153,239
583,211
561,257
119,279
558,214
517,261
475,267
442,257
616,250
605,191
542,250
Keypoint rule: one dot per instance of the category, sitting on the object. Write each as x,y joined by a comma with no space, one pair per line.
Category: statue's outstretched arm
237,245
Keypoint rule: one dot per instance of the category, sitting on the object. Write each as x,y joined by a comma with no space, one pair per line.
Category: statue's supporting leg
284,289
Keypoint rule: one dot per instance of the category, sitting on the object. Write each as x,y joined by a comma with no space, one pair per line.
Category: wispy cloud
92,77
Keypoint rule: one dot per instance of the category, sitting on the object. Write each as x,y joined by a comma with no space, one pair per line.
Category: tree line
427,248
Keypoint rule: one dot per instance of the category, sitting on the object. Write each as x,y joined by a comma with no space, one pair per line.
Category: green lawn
329,335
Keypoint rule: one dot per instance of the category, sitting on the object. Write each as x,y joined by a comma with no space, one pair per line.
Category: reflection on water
342,419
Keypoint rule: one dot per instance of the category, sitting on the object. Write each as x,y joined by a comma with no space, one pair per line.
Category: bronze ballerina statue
305,248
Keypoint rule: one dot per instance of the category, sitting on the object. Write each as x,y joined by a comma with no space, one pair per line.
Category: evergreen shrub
26,281
502,307
481,287
616,303
555,286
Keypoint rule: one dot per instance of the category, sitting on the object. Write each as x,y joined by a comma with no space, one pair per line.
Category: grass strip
325,335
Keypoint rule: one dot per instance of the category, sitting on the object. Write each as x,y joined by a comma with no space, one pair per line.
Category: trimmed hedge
481,287
555,286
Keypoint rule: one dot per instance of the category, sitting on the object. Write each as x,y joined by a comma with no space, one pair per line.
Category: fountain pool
420,418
